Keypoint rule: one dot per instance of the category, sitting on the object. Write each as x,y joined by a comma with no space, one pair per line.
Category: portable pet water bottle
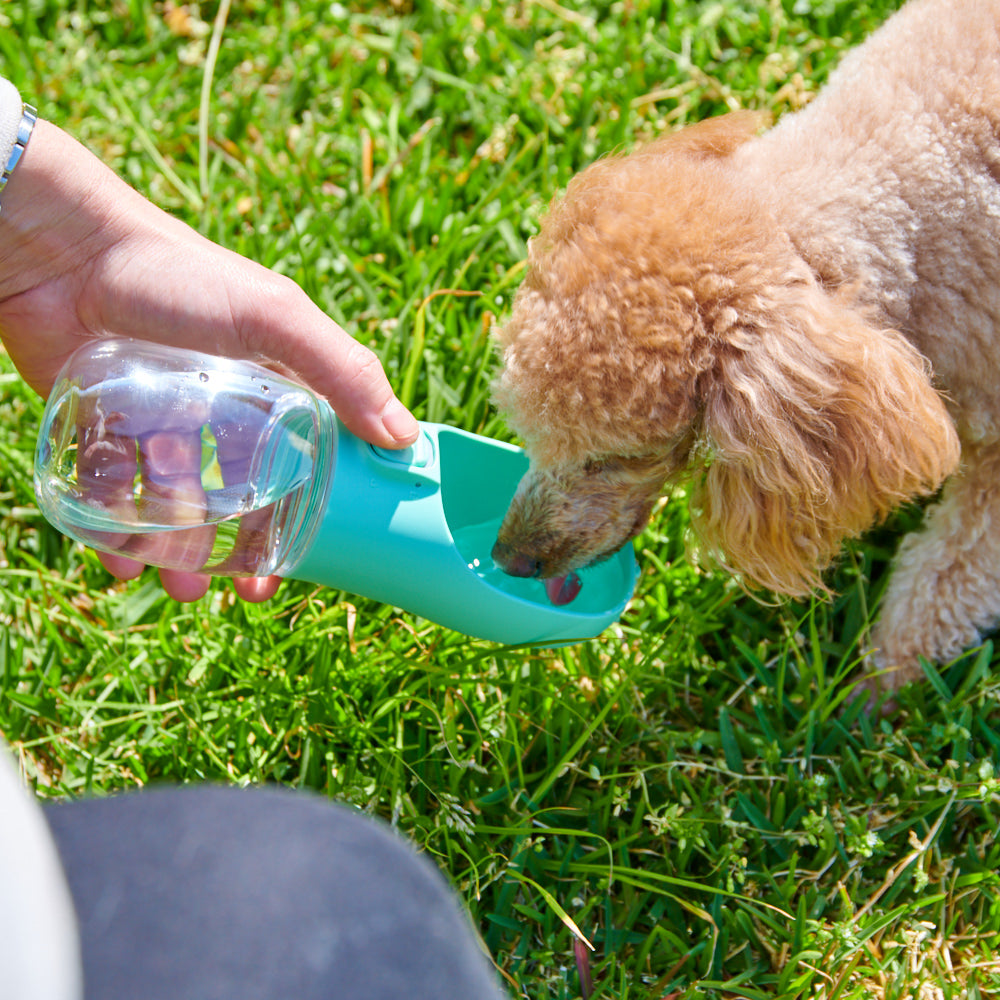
194,462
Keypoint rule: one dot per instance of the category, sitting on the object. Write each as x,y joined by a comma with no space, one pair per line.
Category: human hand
83,255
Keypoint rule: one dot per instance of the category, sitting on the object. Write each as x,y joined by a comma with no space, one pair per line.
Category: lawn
679,808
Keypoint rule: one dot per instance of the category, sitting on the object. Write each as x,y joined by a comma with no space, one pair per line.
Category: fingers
106,467
121,567
172,493
180,586
256,589
152,479
185,586
168,466
168,463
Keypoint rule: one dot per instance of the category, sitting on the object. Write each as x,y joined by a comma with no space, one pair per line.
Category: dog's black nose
515,563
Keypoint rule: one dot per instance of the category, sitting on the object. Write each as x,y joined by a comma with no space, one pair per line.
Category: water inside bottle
602,588
224,500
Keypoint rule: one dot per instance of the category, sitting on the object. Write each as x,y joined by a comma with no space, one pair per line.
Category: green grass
688,789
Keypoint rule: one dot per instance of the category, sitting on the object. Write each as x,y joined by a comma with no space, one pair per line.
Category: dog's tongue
563,589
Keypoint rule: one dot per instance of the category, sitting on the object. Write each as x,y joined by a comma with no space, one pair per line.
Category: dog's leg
945,587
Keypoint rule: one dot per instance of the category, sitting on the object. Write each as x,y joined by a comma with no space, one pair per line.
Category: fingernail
399,422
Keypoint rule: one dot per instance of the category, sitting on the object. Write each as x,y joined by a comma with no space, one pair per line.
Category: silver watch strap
28,118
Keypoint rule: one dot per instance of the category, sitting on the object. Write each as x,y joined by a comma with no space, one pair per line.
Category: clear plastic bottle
190,461
184,460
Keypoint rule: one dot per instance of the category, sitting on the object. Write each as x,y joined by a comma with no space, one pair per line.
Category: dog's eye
593,466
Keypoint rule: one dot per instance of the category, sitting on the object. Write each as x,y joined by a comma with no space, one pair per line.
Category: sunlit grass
690,792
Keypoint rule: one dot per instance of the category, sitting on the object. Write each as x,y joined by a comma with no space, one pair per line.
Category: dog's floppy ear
817,424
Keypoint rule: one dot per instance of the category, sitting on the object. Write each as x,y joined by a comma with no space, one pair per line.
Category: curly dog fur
803,323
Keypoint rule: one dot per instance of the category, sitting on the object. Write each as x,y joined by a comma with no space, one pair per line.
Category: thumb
286,327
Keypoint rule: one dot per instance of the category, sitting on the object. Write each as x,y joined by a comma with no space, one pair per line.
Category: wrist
47,219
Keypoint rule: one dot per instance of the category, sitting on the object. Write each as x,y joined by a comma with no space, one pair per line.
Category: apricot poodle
805,324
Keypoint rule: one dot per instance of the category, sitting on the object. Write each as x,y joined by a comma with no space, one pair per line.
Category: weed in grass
690,794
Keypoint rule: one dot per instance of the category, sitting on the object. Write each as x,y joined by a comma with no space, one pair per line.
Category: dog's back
889,181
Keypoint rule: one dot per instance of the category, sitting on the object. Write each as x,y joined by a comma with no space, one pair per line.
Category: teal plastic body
414,529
